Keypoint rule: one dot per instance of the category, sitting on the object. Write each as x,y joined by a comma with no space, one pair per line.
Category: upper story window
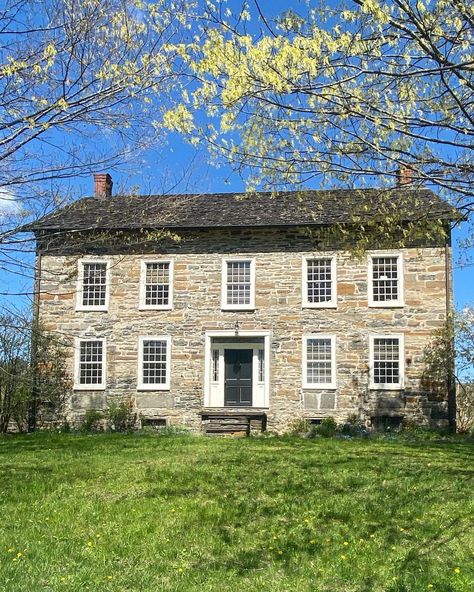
386,361
154,363
156,285
319,361
93,285
319,282
385,280
90,364
238,284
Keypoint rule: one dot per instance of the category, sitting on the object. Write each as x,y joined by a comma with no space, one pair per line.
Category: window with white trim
319,282
90,364
93,285
154,363
385,280
238,284
386,361
319,361
156,285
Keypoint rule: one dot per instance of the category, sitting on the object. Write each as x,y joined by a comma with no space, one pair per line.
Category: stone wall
197,309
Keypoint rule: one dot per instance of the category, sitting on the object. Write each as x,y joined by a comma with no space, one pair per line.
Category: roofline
228,226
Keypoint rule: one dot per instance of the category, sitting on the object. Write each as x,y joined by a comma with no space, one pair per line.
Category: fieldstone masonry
197,308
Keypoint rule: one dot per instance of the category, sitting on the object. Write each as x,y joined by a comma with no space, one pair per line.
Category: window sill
89,387
385,387
92,309
236,307
325,305
153,387
144,307
319,387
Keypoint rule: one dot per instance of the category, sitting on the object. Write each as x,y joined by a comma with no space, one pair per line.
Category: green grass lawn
113,512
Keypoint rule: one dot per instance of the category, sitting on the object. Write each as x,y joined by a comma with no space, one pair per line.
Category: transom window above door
238,284
156,285
319,282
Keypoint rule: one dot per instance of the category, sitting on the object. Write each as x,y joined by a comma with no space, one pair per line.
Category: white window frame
401,357
142,297
322,385
224,304
370,284
80,285
304,284
77,365
141,386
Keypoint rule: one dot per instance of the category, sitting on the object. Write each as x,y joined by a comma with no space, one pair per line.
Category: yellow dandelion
312,542
180,569
393,548
402,529
173,510
430,586
280,552
19,554
110,577
274,538
345,543
457,570
90,544
12,550
372,536
343,557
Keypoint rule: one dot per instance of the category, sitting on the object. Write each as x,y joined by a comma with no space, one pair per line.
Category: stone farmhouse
230,311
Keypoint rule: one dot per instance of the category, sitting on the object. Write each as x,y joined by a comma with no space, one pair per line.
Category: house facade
228,306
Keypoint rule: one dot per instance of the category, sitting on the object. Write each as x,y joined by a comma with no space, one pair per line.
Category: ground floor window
319,361
154,363
386,361
90,359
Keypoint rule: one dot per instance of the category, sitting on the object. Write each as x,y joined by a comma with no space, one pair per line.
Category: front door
238,377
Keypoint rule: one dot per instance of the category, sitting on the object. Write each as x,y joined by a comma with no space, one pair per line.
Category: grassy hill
147,513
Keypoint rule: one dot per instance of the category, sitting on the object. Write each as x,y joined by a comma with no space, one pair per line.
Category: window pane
319,361
154,361
94,284
157,284
215,365
261,365
385,278
90,362
319,280
238,282
386,361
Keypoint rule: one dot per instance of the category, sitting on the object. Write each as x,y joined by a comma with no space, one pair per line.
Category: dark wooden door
238,377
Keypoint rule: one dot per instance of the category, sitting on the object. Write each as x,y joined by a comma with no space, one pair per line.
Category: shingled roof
225,210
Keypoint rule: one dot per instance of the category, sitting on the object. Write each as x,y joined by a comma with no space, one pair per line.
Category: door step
233,424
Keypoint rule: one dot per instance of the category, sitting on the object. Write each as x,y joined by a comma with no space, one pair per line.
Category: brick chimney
102,185
405,175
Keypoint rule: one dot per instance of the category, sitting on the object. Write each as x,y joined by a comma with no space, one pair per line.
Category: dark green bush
93,421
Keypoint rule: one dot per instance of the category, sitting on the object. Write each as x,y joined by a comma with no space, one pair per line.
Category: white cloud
9,205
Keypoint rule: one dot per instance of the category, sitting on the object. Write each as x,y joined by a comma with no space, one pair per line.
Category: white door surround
216,342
